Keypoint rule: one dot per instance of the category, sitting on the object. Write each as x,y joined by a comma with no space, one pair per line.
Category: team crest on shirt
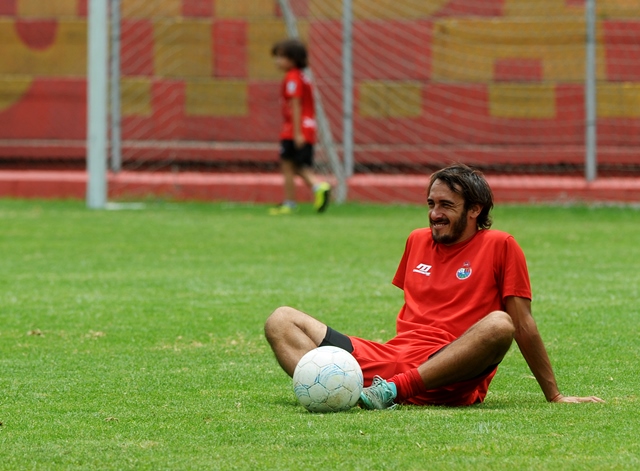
291,86
464,272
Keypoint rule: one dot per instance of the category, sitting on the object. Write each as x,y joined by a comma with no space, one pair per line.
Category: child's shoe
282,210
322,194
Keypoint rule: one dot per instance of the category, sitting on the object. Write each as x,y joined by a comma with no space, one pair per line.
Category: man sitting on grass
467,297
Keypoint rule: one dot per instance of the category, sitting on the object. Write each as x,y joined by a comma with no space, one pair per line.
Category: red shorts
399,355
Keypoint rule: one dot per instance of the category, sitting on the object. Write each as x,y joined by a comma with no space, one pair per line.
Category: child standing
299,129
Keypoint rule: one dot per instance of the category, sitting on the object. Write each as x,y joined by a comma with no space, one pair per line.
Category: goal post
591,149
97,112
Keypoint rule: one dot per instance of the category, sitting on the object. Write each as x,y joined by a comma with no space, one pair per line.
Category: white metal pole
591,164
116,135
97,75
347,87
290,20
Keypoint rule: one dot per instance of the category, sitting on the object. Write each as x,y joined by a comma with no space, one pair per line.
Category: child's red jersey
448,289
296,84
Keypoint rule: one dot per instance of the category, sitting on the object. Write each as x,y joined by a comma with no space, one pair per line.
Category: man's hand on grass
575,399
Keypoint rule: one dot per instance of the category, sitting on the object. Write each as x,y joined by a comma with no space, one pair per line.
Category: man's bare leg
291,334
483,345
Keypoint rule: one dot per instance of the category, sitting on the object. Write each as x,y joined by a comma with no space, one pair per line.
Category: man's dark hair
471,185
292,49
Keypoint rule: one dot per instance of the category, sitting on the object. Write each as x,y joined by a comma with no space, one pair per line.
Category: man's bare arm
534,352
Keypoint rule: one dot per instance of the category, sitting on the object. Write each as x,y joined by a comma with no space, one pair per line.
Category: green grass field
133,340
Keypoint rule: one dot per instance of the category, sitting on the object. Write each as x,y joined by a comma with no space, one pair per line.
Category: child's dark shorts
302,157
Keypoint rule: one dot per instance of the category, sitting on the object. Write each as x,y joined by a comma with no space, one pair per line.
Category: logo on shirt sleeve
423,269
309,123
464,272
291,87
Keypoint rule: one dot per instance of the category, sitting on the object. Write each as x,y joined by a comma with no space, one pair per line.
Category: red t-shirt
296,84
447,289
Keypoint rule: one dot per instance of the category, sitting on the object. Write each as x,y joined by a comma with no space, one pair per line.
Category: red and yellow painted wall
474,80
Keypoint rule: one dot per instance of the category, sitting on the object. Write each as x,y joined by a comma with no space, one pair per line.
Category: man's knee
278,321
286,321
500,325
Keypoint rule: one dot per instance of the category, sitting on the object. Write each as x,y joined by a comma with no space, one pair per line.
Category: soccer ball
327,379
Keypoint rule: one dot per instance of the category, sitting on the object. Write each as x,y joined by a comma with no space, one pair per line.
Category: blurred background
498,84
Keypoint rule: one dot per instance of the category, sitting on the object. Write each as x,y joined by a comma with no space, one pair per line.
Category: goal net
497,84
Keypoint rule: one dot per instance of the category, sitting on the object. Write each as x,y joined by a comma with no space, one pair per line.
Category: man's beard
457,230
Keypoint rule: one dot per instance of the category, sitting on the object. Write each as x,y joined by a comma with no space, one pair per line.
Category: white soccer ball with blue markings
327,379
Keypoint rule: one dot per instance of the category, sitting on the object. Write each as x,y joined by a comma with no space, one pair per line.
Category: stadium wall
198,79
